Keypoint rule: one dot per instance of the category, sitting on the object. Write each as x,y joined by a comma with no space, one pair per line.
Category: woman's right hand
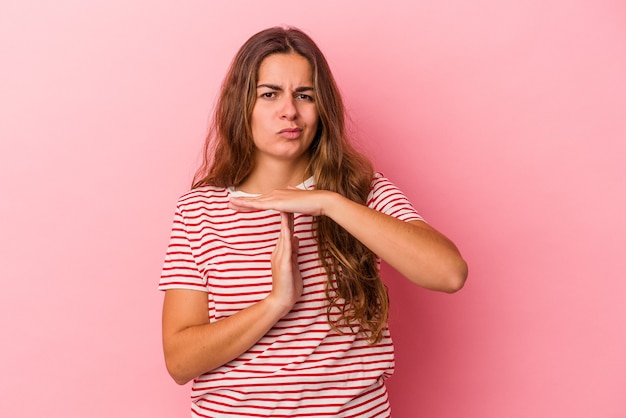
193,346
286,277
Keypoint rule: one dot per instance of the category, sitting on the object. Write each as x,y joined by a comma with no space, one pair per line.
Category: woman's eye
268,95
304,97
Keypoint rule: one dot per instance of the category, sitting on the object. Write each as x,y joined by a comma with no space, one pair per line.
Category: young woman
274,305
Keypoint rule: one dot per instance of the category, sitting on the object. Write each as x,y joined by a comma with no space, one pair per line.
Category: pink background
504,121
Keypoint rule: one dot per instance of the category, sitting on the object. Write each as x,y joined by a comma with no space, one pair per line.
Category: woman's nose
289,110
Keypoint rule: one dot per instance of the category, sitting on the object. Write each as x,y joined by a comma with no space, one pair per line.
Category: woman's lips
290,133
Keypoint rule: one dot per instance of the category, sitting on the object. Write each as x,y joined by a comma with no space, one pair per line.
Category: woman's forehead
277,68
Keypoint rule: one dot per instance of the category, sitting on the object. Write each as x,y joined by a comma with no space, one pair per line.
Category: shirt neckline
307,184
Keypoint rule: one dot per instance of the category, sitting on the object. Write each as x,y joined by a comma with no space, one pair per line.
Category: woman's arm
193,346
414,249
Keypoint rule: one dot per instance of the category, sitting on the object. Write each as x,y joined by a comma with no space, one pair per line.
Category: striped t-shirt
301,367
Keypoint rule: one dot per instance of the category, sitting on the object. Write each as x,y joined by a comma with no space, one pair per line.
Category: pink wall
504,121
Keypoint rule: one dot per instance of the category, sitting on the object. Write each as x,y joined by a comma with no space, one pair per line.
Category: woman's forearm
191,350
414,249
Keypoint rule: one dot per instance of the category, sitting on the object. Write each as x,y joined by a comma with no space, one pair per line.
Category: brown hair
355,291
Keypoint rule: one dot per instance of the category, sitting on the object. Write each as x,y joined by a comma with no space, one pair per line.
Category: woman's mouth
290,133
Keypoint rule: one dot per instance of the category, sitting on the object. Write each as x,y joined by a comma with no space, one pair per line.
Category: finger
254,203
242,204
295,245
290,223
251,204
283,250
286,229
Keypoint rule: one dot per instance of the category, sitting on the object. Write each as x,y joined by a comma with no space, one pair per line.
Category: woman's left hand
415,249
308,202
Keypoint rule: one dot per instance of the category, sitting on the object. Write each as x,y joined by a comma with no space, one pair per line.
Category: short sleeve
387,198
180,270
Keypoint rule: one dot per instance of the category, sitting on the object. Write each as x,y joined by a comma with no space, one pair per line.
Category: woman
274,305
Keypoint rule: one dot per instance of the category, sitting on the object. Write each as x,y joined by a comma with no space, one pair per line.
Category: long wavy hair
357,297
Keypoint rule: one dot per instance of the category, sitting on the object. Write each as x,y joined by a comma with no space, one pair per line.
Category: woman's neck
267,177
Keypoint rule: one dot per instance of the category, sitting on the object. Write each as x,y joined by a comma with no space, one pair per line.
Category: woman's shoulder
383,188
204,195
378,180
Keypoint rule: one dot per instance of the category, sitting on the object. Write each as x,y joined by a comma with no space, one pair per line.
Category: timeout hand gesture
308,202
286,279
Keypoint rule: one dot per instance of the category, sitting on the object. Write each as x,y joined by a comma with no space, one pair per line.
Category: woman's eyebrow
270,86
279,88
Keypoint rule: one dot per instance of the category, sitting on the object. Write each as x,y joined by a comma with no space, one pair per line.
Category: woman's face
284,117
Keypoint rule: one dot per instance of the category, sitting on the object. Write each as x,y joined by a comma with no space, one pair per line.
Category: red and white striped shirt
301,367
